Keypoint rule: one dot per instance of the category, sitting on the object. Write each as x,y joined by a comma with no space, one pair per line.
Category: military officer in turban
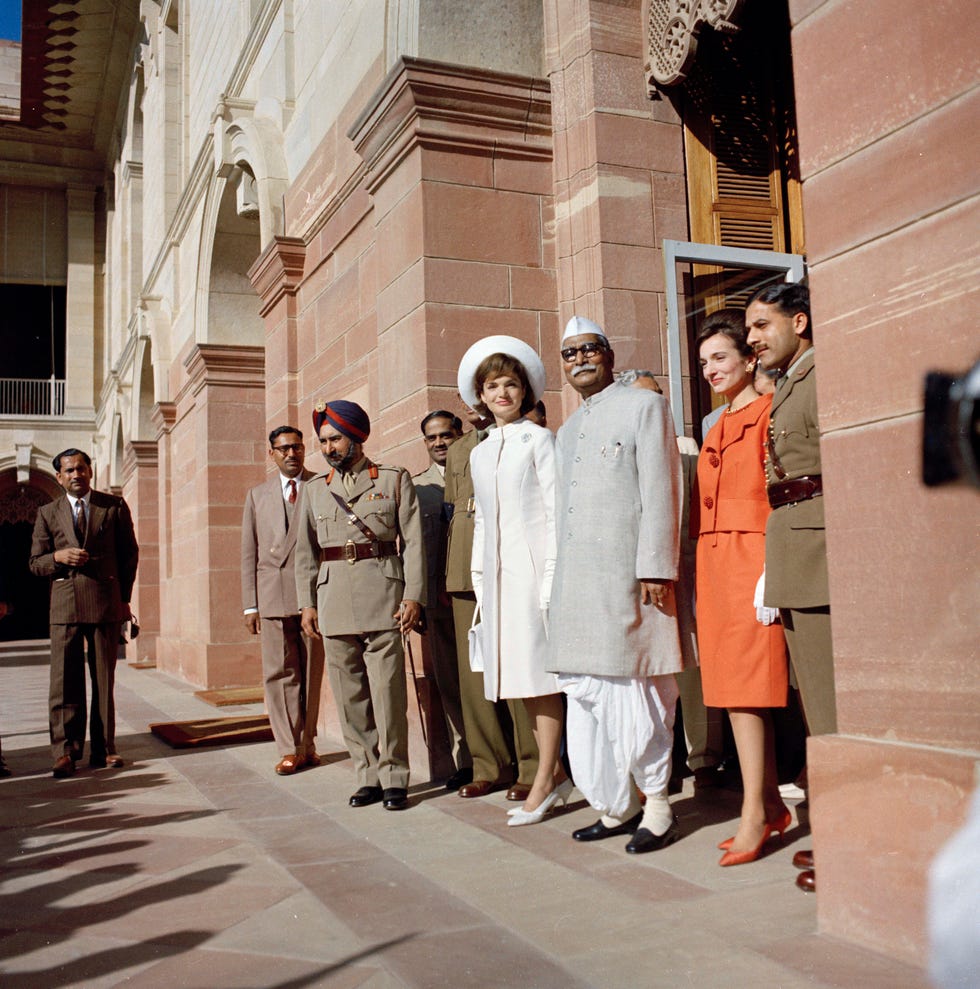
360,582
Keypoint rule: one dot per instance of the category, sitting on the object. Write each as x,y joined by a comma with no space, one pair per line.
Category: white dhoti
619,729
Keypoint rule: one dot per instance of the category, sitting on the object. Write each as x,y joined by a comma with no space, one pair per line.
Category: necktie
348,481
291,497
80,521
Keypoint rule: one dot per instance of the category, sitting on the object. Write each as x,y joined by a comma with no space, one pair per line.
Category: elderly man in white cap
614,637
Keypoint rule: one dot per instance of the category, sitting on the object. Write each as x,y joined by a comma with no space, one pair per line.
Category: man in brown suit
781,332
440,429
497,734
360,583
292,666
85,543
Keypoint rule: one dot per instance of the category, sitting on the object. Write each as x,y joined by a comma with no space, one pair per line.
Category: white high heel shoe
519,816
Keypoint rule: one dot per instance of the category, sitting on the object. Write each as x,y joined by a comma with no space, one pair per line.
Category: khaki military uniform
439,641
493,751
796,550
356,602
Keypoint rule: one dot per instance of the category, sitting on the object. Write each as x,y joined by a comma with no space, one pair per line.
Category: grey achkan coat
619,511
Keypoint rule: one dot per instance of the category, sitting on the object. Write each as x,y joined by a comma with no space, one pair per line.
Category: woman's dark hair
729,323
493,367
789,297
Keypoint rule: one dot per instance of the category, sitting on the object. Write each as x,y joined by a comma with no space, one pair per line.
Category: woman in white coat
513,559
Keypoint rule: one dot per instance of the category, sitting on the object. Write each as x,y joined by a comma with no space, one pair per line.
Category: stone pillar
890,190
459,175
276,275
141,491
163,417
209,460
82,381
619,177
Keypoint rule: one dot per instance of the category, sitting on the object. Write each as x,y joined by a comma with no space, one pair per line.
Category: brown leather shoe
312,759
803,859
114,761
518,792
807,881
478,788
289,764
63,767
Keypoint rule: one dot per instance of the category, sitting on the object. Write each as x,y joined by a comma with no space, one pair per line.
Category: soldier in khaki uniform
360,583
780,331
440,429
487,725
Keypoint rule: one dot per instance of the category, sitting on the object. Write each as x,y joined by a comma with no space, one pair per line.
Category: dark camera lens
951,429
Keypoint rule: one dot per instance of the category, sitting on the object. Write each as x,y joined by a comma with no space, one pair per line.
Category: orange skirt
743,663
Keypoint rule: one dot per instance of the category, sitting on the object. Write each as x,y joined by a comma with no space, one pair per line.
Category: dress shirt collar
86,499
284,481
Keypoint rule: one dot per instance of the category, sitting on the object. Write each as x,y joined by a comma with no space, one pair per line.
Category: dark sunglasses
585,349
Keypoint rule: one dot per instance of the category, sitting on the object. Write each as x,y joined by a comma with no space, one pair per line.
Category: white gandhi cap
579,325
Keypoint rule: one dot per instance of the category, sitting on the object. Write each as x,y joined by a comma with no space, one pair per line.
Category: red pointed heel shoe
740,858
777,826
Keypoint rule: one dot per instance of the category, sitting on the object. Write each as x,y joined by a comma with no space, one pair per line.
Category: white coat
619,510
514,556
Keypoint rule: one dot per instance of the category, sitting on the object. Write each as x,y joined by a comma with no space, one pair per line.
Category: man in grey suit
440,429
614,635
86,544
292,665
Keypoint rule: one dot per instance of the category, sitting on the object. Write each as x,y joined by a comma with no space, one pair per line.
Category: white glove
763,615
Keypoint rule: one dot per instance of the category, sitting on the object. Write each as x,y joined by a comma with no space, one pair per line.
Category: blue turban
348,418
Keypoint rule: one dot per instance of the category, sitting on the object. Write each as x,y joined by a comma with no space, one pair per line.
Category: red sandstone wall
887,109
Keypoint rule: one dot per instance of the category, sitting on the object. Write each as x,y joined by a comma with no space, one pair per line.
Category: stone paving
204,870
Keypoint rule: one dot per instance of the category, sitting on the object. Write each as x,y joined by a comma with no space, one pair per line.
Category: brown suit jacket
97,592
796,547
268,576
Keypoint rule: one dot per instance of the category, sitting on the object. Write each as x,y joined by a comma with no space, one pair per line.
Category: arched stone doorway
26,594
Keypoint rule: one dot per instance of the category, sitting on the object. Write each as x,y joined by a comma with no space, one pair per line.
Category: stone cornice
225,365
435,104
139,453
163,416
278,270
132,170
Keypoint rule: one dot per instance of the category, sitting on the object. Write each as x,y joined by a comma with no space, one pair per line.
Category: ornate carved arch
672,28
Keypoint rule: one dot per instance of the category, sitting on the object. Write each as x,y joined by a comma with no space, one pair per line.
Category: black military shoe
646,841
366,795
598,831
396,798
460,778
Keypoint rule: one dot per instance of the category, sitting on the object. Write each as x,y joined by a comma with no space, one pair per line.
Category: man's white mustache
581,369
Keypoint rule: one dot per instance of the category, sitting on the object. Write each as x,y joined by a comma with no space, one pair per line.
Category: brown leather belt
352,552
798,489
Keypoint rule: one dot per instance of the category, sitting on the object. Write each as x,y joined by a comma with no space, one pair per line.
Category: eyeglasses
587,350
286,447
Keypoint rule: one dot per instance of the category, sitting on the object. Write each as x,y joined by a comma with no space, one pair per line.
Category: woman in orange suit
743,652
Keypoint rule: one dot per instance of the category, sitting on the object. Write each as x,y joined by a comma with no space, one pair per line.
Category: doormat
230,696
213,731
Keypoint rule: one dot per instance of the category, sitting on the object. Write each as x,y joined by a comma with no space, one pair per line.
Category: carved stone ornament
671,35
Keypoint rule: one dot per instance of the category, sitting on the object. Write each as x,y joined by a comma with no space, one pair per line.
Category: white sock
610,821
657,815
